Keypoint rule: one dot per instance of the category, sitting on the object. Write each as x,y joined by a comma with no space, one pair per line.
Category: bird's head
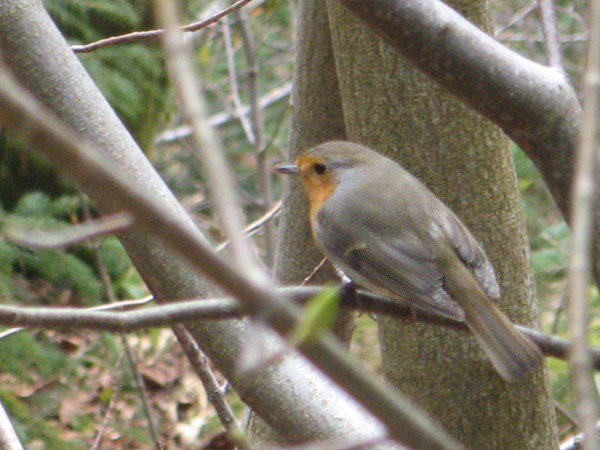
321,169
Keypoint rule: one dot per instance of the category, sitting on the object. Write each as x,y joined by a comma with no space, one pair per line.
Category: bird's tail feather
512,353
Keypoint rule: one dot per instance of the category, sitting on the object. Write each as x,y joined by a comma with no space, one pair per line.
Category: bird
386,231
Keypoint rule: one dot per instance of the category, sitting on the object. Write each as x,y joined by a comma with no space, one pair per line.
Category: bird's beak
287,168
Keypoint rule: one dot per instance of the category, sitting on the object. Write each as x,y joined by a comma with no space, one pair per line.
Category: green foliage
88,20
63,269
23,171
73,269
318,316
132,76
30,358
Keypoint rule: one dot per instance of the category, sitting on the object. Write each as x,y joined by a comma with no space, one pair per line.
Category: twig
116,388
580,262
539,38
211,385
182,132
313,272
258,128
250,50
227,308
238,107
47,239
567,414
205,140
163,315
551,37
524,12
151,34
143,391
116,305
562,304
256,225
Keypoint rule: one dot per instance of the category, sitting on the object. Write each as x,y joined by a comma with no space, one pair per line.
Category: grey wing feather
471,253
390,265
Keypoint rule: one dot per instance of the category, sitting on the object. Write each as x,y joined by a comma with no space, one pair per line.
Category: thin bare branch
517,17
47,239
238,108
163,315
258,127
567,414
213,390
585,202
313,272
153,34
256,225
206,140
227,308
143,394
551,37
110,306
182,132
116,389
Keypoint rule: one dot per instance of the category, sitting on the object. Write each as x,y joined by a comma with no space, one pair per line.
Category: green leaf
318,317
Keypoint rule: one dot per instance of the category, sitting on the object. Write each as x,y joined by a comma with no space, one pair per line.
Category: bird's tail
512,353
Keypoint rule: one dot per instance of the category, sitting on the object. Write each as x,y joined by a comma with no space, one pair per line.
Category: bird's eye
320,168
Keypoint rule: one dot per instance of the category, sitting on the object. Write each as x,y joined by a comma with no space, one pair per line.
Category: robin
387,232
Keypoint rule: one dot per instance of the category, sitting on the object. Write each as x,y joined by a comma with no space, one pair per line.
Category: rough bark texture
392,107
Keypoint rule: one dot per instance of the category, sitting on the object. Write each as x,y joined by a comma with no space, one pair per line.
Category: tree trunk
465,160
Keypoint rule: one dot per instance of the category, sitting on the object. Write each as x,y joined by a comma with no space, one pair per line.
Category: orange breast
319,187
